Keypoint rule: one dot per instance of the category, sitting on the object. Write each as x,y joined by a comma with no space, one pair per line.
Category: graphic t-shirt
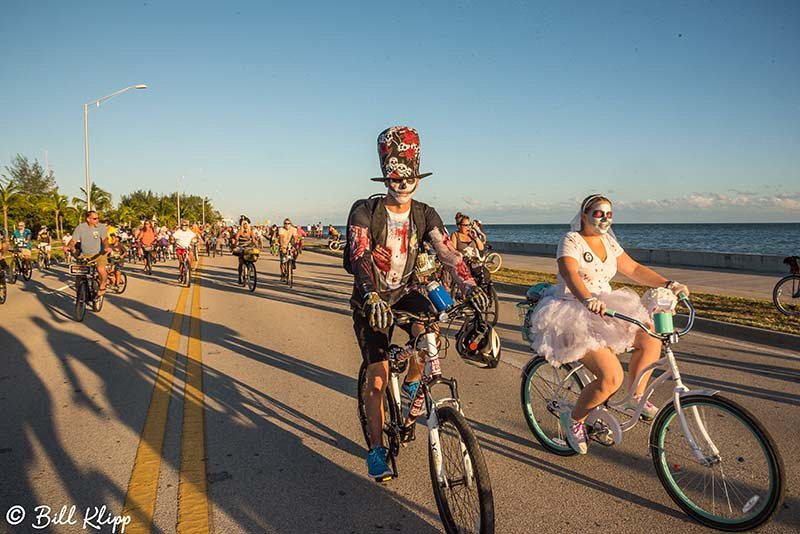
397,242
20,238
595,274
90,238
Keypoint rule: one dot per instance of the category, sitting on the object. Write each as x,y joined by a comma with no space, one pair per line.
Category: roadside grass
735,310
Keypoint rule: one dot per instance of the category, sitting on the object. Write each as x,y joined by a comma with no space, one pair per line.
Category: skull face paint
401,192
599,218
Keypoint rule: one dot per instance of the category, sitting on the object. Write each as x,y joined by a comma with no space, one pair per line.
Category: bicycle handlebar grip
611,313
683,296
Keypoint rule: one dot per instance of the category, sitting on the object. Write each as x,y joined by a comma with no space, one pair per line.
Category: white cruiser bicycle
714,459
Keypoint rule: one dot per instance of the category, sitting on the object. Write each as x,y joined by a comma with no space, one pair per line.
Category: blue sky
681,112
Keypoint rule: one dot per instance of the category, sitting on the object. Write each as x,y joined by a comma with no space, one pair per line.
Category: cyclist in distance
93,240
45,242
287,235
333,234
147,241
22,241
382,263
569,326
467,241
244,238
3,250
184,238
116,255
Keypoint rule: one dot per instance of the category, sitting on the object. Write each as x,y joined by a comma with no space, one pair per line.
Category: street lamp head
140,86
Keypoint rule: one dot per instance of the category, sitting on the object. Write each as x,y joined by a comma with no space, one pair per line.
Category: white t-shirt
183,238
595,274
397,241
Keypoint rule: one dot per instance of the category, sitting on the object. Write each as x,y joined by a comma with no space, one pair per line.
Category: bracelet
670,283
587,300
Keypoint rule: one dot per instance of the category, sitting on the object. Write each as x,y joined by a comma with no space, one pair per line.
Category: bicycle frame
670,366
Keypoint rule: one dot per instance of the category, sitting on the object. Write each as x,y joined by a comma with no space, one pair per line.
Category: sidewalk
717,282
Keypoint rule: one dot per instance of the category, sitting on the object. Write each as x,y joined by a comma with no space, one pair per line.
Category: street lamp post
97,103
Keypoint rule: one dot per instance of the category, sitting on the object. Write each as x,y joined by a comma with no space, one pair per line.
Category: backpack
373,203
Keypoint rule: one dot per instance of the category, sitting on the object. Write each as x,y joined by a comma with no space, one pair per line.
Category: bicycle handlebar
462,309
682,297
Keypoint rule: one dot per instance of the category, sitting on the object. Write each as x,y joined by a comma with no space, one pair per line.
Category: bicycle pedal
408,434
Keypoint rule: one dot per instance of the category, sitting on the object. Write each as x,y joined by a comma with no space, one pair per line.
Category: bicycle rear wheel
493,262
81,294
464,498
544,394
391,419
786,295
738,486
251,277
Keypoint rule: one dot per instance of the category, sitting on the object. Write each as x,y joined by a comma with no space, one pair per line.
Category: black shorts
374,343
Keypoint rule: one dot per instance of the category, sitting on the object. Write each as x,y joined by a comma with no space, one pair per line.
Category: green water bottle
663,322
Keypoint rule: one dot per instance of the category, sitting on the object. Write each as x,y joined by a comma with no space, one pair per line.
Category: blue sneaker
410,389
376,464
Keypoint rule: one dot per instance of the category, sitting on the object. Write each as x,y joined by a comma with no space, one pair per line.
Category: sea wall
683,258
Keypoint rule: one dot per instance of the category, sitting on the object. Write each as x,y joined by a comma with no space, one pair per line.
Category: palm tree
7,193
99,198
59,205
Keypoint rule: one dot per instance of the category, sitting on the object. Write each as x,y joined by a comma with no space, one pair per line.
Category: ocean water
779,239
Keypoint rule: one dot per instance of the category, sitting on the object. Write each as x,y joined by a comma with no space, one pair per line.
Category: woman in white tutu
569,324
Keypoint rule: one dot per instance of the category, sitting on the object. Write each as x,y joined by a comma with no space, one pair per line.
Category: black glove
378,311
479,298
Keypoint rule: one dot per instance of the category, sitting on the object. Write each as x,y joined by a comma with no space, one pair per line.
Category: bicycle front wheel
97,303
786,295
464,498
492,313
251,277
493,262
3,288
545,393
27,270
739,484
290,273
123,283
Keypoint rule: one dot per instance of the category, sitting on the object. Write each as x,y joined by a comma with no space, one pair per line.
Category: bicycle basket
525,310
251,254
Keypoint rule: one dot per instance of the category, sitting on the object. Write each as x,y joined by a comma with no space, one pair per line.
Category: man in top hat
383,262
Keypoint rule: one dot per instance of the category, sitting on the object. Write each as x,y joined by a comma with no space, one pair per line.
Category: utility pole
178,197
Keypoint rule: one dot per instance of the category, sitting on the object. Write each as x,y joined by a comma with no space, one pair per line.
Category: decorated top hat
398,150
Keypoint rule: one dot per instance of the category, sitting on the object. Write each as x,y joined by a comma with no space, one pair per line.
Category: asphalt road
266,439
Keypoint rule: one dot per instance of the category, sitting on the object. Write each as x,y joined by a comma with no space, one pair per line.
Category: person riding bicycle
382,264
569,325
244,238
3,250
147,238
45,243
93,240
467,241
21,237
287,235
116,255
333,234
184,238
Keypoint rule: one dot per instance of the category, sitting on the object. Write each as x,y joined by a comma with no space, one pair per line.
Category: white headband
575,223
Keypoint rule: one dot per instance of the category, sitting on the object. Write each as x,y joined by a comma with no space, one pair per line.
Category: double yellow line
140,501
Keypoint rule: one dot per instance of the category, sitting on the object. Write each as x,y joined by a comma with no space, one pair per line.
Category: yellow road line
140,500
192,491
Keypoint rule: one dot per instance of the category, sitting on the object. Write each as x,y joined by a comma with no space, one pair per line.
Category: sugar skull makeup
400,190
600,217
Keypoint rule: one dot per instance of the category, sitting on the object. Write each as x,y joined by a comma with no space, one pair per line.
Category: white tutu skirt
563,330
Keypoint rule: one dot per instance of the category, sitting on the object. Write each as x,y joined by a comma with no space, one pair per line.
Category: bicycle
20,266
184,267
247,275
737,490
492,261
115,265
786,294
334,243
288,265
87,285
43,257
460,478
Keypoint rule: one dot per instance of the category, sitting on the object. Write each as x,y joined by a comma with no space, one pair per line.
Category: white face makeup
401,192
599,217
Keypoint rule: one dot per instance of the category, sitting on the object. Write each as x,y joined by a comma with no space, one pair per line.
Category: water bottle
439,296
